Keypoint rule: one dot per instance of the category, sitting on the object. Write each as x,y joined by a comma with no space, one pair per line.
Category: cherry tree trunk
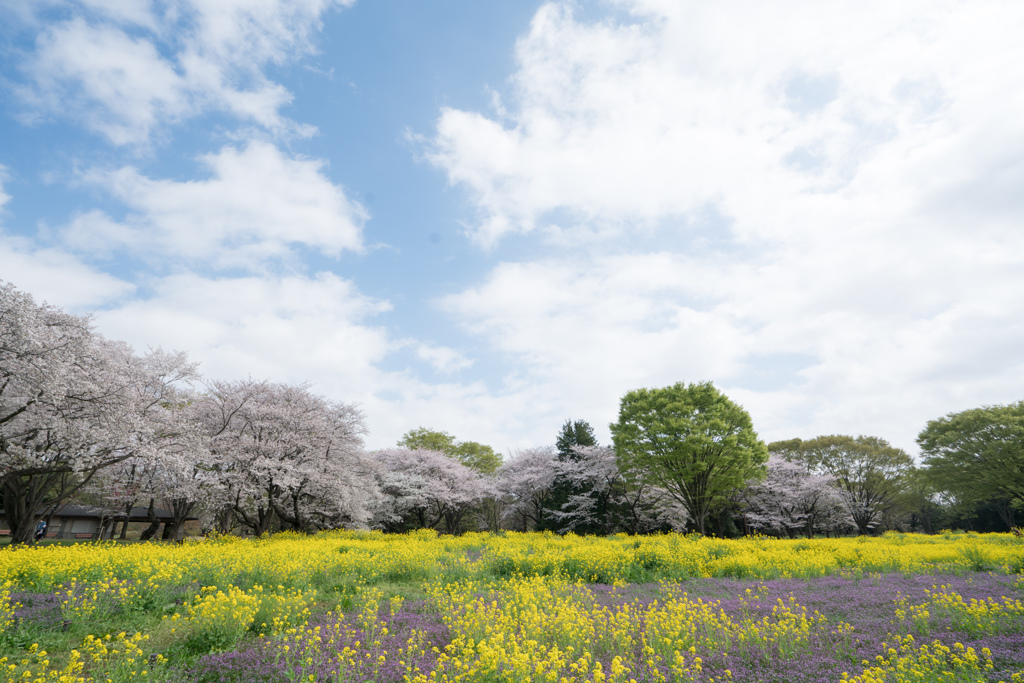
154,526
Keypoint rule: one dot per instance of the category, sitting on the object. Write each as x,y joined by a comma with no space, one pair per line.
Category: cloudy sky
488,218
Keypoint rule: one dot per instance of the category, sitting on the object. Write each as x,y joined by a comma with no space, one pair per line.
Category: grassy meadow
362,606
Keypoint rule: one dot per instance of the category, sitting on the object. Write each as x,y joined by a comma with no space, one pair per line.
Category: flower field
361,606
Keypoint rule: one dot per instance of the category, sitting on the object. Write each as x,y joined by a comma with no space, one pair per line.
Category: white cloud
288,328
442,358
619,123
866,269
127,69
53,275
255,207
120,85
57,277
584,333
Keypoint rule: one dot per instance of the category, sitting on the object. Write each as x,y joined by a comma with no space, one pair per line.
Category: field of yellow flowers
423,608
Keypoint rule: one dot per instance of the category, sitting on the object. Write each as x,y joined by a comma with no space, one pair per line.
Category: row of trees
86,418
686,457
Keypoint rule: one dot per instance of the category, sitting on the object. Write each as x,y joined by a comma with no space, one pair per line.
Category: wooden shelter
93,522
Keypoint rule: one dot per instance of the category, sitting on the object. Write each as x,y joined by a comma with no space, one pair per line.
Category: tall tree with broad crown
871,473
71,404
428,487
978,456
691,441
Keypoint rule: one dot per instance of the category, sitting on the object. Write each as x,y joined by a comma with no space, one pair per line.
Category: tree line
87,419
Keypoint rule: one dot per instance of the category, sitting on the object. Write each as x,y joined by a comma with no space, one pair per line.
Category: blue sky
488,218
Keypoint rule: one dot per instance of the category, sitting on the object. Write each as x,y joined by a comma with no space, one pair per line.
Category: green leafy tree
872,474
422,438
977,456
477,456
690,440
474,455
788,449
922,504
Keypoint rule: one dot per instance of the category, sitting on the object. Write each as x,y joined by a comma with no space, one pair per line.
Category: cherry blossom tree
609,498
171,440
525,483
427,487
870,473
71,404
793,499
281,452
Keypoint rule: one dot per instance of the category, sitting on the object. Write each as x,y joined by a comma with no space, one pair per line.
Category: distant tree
476,456
691,441
791,499
608,499
425,439
573,435
977,455
524,483
871,473
788,448
428,488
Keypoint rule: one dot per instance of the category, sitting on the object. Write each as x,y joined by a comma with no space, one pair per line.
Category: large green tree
977,456
872,474
473,455
422,438
692,441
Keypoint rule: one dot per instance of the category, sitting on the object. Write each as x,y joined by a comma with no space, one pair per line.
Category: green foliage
977,456
785,447
873,473
920,501
574,433
476,456
427,439
690,440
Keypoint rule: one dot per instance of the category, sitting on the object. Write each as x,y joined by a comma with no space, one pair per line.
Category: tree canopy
978,456
574,433
871,473
690,440
474,455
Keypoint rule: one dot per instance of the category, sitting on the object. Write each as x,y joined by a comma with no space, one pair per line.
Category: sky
489,218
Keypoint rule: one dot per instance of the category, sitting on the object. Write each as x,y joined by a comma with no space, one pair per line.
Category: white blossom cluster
83,417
